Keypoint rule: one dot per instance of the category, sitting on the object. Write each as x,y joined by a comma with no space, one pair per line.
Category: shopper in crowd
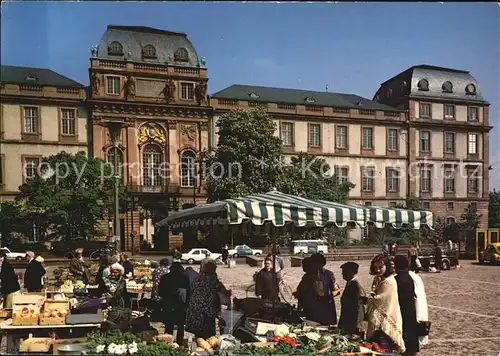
225,254
177,255
438,257
385,324
421,309
266,282
352,301
406,297
456,253
79,267
412,256
116,286
33,274
279,264
162,269
102,273
175,291
326,288
127,265
191,274
9,282
205,306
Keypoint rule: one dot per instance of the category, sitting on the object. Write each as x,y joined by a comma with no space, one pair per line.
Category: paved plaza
463,304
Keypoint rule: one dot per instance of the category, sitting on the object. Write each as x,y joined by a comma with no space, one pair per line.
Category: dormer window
148,51
360,103
447,87
389,93
181,55
403,85
423,85
254,96
470,89
115,48
376,98
31,78
310,100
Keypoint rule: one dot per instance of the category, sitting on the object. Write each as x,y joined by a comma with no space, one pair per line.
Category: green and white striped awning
280,209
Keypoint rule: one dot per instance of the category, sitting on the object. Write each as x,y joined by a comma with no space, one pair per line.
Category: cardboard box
51,305
26,308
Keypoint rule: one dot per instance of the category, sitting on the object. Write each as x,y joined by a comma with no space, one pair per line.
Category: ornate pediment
152,132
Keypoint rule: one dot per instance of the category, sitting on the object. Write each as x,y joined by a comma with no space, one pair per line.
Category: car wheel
190,261
445,265
235,255
257,254
481,261
493,261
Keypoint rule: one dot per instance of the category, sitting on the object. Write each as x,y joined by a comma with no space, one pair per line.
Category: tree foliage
11,221
494,209
70,195
247,159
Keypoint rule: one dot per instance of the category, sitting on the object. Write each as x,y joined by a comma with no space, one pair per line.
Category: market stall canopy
280,209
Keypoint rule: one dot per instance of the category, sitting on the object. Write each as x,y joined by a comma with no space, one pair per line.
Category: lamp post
114,133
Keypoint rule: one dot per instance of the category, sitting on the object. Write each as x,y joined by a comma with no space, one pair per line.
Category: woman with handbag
422,310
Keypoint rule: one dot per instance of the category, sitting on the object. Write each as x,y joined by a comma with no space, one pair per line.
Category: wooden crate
22,319
50,305
35,344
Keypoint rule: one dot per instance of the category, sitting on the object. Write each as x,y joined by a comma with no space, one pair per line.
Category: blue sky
351,47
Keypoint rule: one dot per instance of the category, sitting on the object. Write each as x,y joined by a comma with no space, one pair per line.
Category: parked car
244,250
309,246
199,254
13,255
491,254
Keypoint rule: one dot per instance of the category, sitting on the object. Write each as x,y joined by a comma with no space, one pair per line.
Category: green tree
470,219
72,193
494,209
11,221
248,156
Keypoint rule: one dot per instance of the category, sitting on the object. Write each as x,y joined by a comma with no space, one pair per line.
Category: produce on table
203,344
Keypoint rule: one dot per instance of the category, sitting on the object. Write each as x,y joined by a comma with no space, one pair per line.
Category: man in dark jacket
352,307
406,295
175,291
127,265
9,283
78,267
33,274
266,281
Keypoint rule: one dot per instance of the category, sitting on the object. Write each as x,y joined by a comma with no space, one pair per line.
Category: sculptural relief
169,91
96,83
130,87
200,92
151,132
189,131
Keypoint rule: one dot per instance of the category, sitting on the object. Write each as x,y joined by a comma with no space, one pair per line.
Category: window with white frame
472,181
152,161
426,205
425,141
188,169
472,144
450,220
449,111
472,113
392,139
449,180
392,180
341,137
68,122
449,142
30,120
113,86
342,174
287,133
110,160
31,167
425,180
425,110
314,135
187,91
367,138
367,179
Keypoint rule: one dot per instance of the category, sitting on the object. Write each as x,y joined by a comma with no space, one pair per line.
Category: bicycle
285,291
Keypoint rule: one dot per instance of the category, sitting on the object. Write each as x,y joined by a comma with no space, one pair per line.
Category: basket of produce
26,308
54,312
35,344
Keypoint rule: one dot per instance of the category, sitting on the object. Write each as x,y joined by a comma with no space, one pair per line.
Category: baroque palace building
425,134
41,114
153,84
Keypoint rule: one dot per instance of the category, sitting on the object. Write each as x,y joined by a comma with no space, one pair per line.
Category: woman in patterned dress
205,305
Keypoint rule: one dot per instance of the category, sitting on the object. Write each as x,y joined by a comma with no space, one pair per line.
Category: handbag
423,328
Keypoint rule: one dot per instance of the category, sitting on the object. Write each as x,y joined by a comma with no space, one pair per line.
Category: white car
243,250
199,254
13,255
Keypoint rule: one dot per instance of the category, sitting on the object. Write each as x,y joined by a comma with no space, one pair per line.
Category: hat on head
350,266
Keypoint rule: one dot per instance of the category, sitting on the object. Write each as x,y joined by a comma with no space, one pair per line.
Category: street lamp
114,133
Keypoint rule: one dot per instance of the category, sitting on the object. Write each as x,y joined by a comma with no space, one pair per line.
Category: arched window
152,162
447,87
470,89
110,159
188,169
149,51
423,84
115,47
181,55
